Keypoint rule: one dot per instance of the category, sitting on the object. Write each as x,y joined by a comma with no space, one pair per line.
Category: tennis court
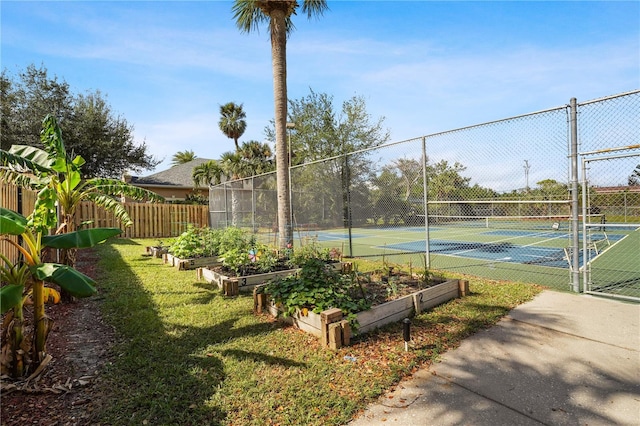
536,255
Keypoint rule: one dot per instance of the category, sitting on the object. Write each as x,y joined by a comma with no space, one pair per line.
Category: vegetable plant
317,287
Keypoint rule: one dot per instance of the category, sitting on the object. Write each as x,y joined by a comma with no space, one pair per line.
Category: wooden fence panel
150,220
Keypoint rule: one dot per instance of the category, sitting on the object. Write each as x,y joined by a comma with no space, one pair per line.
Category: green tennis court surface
529,255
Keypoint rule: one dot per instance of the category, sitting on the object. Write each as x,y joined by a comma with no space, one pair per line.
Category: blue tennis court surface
498,251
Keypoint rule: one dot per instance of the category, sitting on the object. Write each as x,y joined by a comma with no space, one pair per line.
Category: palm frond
248,15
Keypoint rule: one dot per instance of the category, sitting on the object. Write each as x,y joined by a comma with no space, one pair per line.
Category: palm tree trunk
279,63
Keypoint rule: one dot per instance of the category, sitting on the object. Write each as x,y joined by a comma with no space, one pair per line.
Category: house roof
179,175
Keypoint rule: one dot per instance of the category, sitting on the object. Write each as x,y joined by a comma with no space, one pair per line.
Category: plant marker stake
406,332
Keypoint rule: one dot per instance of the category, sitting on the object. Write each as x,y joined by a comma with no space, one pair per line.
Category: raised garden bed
335,332
231,285
187,264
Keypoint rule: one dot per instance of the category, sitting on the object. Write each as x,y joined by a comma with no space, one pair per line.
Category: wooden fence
150,220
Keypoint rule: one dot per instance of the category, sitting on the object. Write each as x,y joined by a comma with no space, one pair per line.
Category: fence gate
610,236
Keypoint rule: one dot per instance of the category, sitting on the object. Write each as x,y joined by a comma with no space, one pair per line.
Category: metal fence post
425,187
575,220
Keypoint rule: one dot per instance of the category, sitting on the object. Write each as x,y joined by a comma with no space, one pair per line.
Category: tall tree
92,130
249,15
232,121
182,157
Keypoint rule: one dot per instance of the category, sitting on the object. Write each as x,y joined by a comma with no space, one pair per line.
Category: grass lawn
186,355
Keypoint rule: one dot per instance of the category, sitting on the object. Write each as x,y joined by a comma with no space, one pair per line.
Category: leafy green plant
313,250
424,274
265,257
17,358
237,260
316,287
232,238
197,242
55,168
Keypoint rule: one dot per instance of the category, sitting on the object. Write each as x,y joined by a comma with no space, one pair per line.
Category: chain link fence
506,200
609,134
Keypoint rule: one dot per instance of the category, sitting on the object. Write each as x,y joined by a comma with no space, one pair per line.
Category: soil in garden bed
249,269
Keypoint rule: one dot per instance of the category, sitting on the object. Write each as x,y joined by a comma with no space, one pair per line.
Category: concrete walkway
561,359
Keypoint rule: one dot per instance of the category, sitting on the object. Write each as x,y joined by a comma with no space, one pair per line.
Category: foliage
196,242
260,258
20,353
323,131
182,157
317,287
312,250
634,177
196,197
94,132
55,174
233,121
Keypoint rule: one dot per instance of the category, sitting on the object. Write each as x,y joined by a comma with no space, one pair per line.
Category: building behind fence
150,220
478,200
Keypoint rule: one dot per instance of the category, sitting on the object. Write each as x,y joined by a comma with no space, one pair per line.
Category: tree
634,178
322,131
258,156
232,121
249,15
209,173
93,131
182,157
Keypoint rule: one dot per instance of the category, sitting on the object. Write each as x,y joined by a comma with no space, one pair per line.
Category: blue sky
425,66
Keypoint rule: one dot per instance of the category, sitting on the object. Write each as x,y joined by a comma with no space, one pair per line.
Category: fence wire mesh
492,200
609,134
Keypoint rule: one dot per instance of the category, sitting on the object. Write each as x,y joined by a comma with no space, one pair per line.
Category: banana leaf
12,223
80,239
74,282
10,296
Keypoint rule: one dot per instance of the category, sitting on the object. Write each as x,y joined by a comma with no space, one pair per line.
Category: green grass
187,355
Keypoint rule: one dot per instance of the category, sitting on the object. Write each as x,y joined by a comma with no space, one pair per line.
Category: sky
425,66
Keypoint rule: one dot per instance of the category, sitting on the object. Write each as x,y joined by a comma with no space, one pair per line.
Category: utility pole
527,167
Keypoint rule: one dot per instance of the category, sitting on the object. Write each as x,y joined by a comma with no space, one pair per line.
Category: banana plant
28,280
36,168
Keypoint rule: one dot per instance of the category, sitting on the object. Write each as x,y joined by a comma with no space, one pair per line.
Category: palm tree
249,14
232,121
182,157
258,156
209,173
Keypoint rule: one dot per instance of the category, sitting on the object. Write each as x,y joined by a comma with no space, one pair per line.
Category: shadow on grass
162,372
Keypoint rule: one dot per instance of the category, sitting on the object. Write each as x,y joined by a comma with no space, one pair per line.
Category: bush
206,242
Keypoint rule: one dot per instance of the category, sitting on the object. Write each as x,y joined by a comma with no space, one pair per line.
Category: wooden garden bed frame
335,332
